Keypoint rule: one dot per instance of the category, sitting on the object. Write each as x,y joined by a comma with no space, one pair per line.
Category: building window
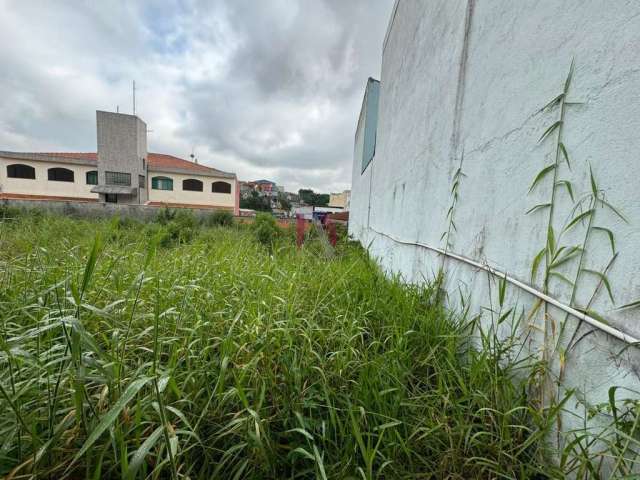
111,198
117,178
92,177
370,107
192,185
58,174
18,170
143,164
161,183
141,181
221,187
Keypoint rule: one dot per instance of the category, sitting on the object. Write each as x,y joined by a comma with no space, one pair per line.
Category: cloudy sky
264,88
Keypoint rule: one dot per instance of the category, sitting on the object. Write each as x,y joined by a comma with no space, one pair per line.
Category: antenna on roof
117,108
193,156
134,97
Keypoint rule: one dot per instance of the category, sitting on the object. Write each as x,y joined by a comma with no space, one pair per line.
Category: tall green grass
212,356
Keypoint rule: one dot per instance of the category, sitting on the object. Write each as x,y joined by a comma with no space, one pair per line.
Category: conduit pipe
614,332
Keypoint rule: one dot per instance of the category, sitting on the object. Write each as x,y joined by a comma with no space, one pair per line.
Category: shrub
165,215
180,226
266,229
220,218
9,213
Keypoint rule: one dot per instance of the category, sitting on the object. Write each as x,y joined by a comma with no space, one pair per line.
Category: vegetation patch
125,355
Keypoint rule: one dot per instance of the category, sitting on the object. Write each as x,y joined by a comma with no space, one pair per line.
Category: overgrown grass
215,357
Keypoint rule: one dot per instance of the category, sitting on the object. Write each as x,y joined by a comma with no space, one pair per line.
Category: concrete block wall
93,210
122,147
465,80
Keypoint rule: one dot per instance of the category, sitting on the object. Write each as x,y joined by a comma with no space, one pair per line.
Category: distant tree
309,197
321,199
284,203
255,202
306,195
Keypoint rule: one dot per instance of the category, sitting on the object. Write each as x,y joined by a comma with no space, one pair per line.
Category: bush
165,215
180,226
9,213
220,218
266,229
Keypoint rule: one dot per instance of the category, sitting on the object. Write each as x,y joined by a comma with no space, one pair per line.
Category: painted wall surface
464,81
41,185
206,197
340,200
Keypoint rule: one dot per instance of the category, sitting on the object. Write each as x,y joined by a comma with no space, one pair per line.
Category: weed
220,218
215,358
266,229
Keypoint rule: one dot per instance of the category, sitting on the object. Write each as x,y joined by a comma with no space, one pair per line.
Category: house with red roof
120,171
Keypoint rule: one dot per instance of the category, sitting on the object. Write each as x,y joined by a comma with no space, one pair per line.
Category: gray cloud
263,88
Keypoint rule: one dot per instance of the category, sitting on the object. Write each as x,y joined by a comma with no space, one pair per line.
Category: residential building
340,200
246,188
266,187
121,171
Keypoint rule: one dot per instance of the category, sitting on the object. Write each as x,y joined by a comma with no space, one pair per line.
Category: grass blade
111,416
541,175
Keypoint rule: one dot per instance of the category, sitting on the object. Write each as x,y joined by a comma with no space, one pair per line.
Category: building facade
340,200
121,171
447,178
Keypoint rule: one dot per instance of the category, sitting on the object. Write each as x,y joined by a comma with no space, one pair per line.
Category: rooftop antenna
193,157
134,97
117,108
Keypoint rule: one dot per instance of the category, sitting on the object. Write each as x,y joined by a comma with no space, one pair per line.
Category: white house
121,171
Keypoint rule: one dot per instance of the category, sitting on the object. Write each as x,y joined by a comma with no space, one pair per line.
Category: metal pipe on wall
614,332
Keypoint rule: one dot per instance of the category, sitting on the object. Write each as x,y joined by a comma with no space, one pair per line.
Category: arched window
92,177
17,170
58,174
192,185
161,183
221,187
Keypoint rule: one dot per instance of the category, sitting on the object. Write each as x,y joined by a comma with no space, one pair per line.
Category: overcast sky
264,88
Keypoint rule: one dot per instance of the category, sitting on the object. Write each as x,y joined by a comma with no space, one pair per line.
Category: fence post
333,237
299,230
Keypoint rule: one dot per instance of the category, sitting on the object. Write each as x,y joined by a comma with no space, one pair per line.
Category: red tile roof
160,160
157,161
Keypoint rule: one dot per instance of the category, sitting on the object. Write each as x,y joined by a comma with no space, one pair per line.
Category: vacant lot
201,353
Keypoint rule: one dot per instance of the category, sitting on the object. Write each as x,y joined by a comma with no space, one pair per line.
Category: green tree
284,203
255,202
309,197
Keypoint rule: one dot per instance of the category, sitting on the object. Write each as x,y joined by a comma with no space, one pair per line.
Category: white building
122,171
462,88
340,200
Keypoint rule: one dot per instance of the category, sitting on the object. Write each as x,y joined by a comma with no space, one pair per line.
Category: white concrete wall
464,76
41,185
206,197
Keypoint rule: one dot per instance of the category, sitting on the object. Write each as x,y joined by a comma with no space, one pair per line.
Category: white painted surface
178,195
41,185
518,57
